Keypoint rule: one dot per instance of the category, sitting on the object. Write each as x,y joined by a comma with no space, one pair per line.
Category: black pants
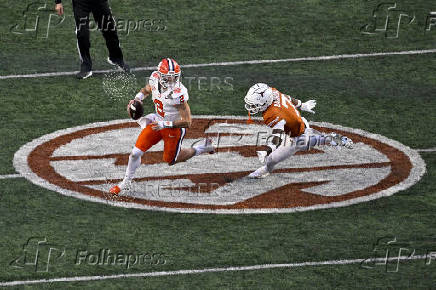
106,24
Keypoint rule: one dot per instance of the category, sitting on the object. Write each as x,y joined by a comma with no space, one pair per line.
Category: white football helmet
259,97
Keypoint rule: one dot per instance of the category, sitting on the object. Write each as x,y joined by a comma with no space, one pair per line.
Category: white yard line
213,270
231,63
427,150
7,176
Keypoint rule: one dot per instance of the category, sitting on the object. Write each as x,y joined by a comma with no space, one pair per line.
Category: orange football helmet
169,71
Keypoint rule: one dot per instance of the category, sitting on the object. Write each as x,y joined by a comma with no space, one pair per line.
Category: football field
325,219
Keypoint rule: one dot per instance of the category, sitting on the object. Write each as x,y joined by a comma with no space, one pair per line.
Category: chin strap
249,121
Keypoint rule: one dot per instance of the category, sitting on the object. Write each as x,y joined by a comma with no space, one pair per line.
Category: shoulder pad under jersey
153,79
180,94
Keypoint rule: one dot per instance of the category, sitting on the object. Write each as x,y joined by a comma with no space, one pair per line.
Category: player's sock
339,140
314,140
304,143
279,155
134,163
203,148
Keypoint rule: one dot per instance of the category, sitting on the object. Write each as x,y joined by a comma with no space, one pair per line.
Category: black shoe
121,64
84,74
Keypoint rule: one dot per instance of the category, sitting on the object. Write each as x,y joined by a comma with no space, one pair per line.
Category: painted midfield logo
85,162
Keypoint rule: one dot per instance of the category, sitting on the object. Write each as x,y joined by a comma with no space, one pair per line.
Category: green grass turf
392,96
411,275
199,241
207,31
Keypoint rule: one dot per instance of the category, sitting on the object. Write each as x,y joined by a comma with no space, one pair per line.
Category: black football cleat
121,64
83,74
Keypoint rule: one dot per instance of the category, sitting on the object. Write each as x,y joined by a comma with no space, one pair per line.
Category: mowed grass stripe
233,63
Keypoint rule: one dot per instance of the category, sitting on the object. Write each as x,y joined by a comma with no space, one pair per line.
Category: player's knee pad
136,153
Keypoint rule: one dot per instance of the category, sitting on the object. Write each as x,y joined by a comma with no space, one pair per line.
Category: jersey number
159,108
286,101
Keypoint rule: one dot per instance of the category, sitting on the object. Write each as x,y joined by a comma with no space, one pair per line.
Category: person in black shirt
106,23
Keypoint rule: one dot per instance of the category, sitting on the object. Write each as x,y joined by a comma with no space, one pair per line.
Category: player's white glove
262,156
308,106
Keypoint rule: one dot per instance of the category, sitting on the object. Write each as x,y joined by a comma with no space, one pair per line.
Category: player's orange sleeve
272,116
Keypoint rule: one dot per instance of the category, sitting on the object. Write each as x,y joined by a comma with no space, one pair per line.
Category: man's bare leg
185,154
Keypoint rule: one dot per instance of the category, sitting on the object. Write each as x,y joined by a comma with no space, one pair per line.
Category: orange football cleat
115,190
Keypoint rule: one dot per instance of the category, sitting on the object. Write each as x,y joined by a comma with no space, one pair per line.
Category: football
136,110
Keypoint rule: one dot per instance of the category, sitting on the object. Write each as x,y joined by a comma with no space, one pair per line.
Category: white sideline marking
209,270
427,150
311,58
7,176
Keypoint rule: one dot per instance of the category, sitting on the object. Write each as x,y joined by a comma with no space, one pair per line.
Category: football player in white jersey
169,123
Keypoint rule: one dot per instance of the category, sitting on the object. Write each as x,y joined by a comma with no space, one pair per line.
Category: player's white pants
309,139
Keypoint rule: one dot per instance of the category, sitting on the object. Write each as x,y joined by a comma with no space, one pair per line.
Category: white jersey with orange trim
166,100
